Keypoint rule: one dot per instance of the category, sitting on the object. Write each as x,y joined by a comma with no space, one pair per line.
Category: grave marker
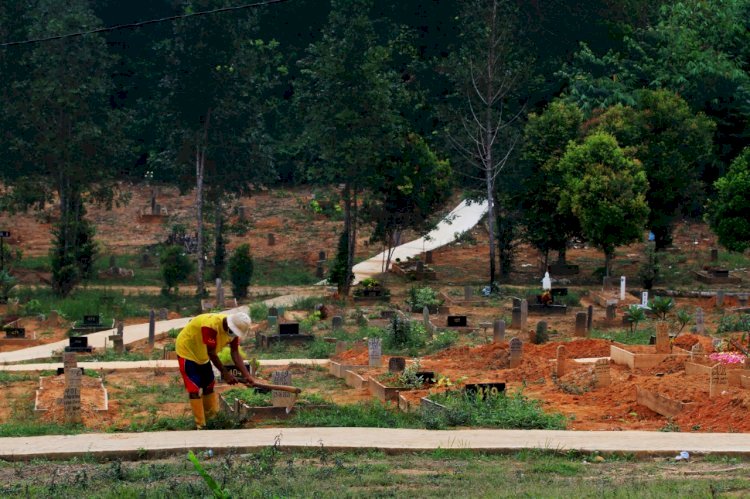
622,287
485,390
78,344
644,299
524,314
53,317
151,328
273,312
289,328
420,267
374,352
319,271
562,356
468,293
516,352
714,255
602,376
340,347
697,353
498,330
337,322
589,317
91,320
700,325
271,240
428,257
70,361
611,311
396,364
15,332
456,321
322,256
662,338
719,381
581,320
72,395
163,314
515,320
279,398
720,298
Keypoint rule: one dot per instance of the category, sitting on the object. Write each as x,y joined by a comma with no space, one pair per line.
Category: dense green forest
594,118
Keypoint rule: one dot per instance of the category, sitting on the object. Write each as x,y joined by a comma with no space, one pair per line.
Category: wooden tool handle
281,388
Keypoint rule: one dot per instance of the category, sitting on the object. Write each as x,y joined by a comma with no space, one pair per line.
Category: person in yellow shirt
197,346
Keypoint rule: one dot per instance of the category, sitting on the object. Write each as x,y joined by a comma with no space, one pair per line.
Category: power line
142,23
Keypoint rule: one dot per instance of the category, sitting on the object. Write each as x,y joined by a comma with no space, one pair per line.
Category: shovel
281,388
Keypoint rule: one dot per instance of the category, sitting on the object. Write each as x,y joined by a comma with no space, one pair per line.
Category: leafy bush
661,306
258,312
498,411
733,323
634,314
404,334
241,270
175,267
420,297
542,334
7,283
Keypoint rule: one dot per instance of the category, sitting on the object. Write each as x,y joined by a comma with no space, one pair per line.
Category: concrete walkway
138,332
147,364
464,217
154,444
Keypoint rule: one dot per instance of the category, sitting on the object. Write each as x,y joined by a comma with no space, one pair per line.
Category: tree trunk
607,262
346,285
200,164
561,255
489,165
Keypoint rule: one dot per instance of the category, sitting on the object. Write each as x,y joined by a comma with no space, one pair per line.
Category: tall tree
487,73
217,84
606,190
546,137
727,213
412,184
64,132
674,145
349,98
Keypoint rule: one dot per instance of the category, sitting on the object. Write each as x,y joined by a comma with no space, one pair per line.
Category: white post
622,287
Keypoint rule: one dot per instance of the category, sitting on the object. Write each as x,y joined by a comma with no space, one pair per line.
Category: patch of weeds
557,467
624,336
10,377
514,411
35,428
319,349
368,415
258,312
670,426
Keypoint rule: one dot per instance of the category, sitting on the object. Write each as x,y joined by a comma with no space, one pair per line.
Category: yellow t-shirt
202,331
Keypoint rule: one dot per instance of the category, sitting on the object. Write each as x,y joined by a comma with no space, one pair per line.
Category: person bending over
197,346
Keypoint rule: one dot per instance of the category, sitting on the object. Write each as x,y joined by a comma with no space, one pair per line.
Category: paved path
147,364
464,217
153,444
139,332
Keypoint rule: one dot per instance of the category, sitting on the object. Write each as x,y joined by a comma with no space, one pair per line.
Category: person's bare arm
239,363
225,374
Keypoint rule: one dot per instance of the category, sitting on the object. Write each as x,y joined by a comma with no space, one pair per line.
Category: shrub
7,283
420,297
661,306
404,334
175,267
649,271
241,270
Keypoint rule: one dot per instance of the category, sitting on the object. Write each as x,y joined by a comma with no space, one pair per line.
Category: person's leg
190,372
210,398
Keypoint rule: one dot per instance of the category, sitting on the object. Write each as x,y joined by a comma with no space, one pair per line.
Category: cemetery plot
54,402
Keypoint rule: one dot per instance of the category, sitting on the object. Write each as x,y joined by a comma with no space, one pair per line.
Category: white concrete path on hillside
464,217
133,333
390,440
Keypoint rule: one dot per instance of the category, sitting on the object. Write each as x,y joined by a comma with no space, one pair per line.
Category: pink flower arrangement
728,357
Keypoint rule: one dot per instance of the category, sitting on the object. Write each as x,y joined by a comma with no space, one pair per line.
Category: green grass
509,411
271,272
11,377
640,337
278,472
370,414
108,303
32,428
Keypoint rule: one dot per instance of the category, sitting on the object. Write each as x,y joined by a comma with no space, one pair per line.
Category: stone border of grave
659,403
105,396
242,413
620,355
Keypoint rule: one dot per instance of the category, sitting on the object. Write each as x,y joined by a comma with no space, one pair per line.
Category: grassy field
274,472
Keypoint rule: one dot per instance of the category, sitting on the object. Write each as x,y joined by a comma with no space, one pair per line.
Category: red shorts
196,376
